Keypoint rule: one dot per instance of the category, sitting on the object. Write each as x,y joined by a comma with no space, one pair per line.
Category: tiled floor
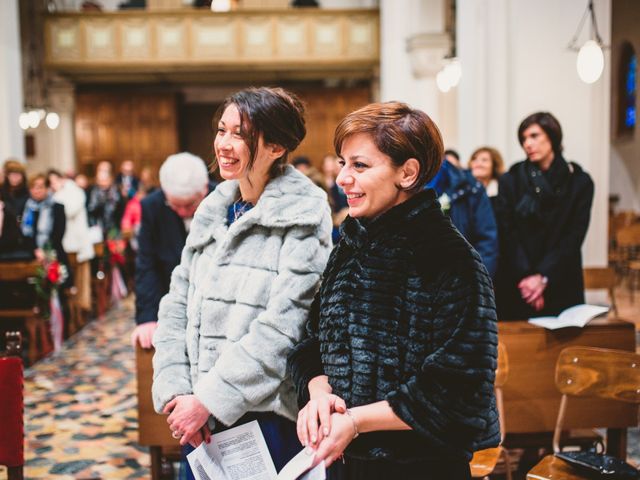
80,405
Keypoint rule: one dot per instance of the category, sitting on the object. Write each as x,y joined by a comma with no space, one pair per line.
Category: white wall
11,135
397,81
515,62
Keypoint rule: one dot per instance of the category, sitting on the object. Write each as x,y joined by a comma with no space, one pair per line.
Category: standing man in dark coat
166,216
543,210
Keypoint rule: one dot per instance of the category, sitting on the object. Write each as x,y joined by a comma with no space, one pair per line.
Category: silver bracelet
353,420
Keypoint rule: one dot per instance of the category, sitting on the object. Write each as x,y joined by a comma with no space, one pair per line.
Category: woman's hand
532,290
187,418
204,435
332,446
320,407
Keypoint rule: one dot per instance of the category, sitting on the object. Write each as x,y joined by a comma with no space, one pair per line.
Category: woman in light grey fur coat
240,297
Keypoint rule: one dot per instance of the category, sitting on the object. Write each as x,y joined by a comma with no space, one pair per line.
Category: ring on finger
176,434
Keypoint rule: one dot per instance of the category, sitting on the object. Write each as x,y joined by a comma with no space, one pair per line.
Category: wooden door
325,107
122,126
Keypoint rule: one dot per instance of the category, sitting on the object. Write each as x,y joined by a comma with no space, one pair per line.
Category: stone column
11,135
62,140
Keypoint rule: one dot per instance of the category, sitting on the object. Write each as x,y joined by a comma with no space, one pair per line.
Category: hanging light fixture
36,109
590,61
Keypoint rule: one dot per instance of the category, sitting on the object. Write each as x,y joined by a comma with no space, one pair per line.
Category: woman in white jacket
240,297
76,235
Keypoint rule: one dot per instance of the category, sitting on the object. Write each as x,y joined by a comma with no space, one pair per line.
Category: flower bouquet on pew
51,275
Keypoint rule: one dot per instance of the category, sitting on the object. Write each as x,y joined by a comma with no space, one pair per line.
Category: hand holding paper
241,453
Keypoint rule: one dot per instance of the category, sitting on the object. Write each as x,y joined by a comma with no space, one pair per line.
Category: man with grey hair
166,217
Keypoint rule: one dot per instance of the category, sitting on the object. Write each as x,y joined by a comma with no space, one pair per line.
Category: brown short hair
400,132
549,124
38,176
497,164
273,112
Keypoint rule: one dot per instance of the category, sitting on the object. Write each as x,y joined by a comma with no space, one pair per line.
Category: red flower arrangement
116,248
51,275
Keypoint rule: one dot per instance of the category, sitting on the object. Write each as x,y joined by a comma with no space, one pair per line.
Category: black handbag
596,465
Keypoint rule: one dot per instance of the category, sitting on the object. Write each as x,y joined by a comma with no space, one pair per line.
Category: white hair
182,175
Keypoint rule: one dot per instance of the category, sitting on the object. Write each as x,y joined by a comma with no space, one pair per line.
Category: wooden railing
156,41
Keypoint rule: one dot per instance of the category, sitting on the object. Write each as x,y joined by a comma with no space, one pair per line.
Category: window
627,92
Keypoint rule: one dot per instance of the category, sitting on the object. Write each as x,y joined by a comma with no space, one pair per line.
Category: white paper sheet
300,464
239,453
576,316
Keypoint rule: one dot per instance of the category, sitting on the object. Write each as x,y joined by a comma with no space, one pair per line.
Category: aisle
80,406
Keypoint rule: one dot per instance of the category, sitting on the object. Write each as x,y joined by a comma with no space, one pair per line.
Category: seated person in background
453,158
463,198
543,210
76,236
148,180
12,243
166,217
44,223
126,180
337,197
486,165
105,204
302,164
14,189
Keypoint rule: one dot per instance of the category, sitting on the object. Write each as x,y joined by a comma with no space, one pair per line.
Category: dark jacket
105,208
13,245
543,219
161,239
134,184
55,239
14,200
406,314
160,242
471,212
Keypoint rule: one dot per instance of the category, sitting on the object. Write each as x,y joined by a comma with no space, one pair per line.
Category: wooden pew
101,282
530,396
153,430
28,317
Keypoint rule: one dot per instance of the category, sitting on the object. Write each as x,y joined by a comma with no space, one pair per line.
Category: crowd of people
349,309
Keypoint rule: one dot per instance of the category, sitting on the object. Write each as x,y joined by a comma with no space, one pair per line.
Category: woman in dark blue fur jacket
398,367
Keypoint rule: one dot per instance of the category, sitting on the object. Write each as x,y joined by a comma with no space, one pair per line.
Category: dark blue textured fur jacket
406,314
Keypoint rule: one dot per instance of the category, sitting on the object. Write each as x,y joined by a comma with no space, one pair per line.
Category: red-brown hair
400,132
497,164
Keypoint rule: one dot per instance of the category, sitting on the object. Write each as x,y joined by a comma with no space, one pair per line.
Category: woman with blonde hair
487,166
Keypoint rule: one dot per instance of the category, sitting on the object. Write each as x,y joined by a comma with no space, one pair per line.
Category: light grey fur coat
240,298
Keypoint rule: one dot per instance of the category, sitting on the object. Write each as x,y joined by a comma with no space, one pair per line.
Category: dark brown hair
549,124
497,164
400,132
273,112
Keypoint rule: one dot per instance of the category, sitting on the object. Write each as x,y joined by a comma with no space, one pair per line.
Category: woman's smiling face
368,177
230,147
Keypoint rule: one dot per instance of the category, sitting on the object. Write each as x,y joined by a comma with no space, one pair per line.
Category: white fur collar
288,200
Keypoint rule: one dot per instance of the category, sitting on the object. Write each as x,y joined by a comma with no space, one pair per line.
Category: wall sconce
590,61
